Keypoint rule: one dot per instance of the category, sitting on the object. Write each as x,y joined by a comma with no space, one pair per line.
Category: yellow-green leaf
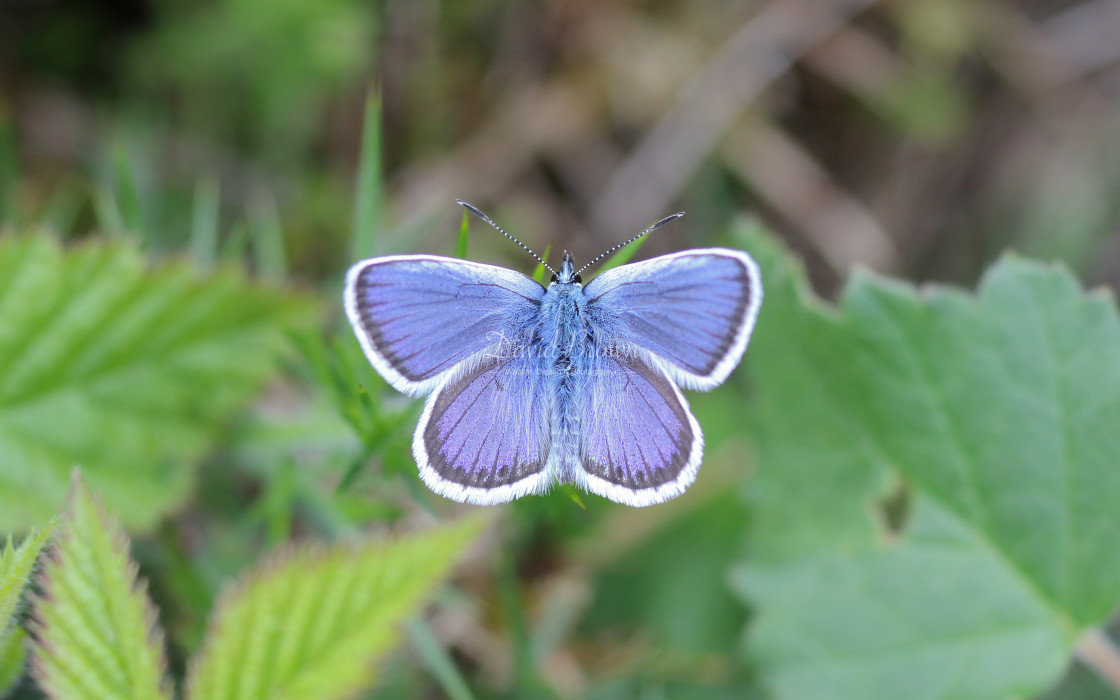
311,623
16,564
95,628
13,652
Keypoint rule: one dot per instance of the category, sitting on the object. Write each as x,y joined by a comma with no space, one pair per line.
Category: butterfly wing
639,442
484,435
693,310
419,316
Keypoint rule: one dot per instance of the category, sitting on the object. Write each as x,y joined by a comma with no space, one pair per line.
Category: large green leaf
121,369
96,632
312,622
1000,415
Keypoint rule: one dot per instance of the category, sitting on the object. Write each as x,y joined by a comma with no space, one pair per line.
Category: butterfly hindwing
639,442
419,316
693,310
484,435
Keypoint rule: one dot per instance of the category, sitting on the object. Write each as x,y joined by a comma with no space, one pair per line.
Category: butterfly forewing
418,317
693,310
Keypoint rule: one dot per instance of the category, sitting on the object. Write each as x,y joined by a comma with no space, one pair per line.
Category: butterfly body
529,386
558,342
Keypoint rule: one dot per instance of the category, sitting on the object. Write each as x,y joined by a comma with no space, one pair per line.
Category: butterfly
529,386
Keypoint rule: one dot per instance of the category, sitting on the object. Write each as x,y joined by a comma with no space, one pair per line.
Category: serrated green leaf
124,370
13,654
16,565
312,622
934,617
801,423
1001,414
95,630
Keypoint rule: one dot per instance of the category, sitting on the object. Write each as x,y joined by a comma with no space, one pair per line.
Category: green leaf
9,167
109,218
574,495
311,622
269,255
935,617
367,190
204,222
16,565
538,272
802,424
464,235
623,256
96,632
125,370
128,196
1000,413
438,661
13,655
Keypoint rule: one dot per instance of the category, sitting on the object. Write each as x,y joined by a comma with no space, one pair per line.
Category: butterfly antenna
478,212
656,226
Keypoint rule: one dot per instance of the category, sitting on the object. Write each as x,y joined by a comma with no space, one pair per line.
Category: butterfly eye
554,278
578,279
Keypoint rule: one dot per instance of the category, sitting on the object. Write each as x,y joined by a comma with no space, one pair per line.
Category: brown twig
755,56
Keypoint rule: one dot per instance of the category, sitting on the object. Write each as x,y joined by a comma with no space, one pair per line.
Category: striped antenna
478,212
656,226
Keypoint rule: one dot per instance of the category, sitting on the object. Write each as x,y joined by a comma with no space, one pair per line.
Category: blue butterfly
577,385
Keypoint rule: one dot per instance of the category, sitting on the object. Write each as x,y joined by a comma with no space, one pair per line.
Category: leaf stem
1099,652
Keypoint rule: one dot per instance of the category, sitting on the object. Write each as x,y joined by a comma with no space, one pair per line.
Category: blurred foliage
916,469
263,73
126,371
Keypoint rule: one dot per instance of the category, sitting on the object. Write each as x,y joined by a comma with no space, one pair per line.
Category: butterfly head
567,273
